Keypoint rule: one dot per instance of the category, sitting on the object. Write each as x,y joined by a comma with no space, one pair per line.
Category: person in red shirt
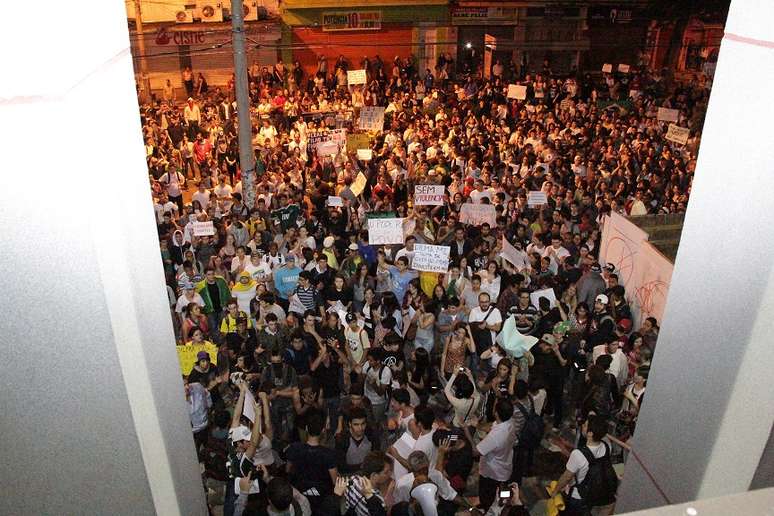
202,150
382,186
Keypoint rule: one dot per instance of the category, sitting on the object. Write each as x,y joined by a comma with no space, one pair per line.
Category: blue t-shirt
400,281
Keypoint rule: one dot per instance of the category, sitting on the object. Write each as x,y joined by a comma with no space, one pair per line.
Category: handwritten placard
623,68
513,255
607,68
517,91
431,258
477,214
335,201
358,141
203,228
677,134
667,115
359,184
365,154
371,118
385,231
186,355
537,198
428,195
356,77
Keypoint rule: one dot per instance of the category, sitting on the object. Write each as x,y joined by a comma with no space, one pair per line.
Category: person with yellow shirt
229,322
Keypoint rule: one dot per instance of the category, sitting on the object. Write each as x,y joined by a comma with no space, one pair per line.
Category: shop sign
355,20
187,37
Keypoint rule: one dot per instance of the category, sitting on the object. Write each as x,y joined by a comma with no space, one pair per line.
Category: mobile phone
505,493
453,438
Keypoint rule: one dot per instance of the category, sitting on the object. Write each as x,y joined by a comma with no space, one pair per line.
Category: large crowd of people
347,382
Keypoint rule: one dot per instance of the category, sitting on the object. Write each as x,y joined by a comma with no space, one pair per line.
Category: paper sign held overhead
513,255
431,258
607,68
187,355
365,154
203,228
537,198
428,195
623,68
335,201
371,118
517,91
385,231
677,134
547,293
356,77
667,115
477,214
359,184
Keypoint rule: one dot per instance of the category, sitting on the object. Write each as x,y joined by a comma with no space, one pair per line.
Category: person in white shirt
378,379
222,191
188,296
258,269
174,181
408,251
619,367
496,453
577,467
424,418
421,473
202,195
484,317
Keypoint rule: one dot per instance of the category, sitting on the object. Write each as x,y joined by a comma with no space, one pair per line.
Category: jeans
332,409
230,499
213,321
487,491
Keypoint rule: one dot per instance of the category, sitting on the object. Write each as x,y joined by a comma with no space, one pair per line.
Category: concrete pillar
709,408
94,417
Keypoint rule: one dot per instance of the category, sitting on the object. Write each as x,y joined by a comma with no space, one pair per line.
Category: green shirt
286,216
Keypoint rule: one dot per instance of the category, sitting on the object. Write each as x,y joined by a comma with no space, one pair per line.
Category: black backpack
601,481
532,432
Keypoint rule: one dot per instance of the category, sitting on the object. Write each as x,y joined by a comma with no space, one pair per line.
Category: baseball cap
202,355
610,267
290,258
328,242
602,299
240,433
352,247
548,339
595,268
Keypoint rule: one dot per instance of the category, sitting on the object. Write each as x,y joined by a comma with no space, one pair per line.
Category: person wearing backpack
529,428
279,379
589,481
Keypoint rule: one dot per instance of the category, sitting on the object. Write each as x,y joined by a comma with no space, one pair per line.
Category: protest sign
513,255
623,68
371,118
547,293
431,258
187,355
517,91
667,115
607,68
203,228
358,185
477,214
365,154
335,201
677,134
380,215
356,77
337,135
428,195
327,148
385,231
537,198
249,407
358,141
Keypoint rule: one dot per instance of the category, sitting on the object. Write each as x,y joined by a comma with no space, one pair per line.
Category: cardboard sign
356,77
677,134
547,293
623,68
667,115
365,154
358,141
187,355
431,258
203,228
385,231
358,185
517,91
477,214
537,198
513,255
607,68
335,201
371,118
327,148
428,195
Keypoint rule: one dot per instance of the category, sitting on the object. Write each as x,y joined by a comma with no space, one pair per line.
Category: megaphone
425,495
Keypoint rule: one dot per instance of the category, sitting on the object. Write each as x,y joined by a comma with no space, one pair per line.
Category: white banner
385,231
371,118
356,77
477,214
537,198
677,134
517,91
431,258
428,195
203,228
667,115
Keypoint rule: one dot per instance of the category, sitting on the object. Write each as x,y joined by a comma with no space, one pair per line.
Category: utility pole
246,154
141,48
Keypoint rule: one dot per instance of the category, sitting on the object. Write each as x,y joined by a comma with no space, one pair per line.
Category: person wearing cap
244,291
602,325
591,285
258,269
329,251
188,296
203,371
351,262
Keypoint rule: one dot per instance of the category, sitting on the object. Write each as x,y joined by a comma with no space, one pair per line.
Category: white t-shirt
222,191
383,375
579,466
202,197
478,315
183,301
260,272
357,342
496,451
403,485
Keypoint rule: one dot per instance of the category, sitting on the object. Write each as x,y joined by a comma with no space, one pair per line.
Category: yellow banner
358,141
187,355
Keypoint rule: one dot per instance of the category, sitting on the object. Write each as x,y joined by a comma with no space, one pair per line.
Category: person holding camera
363,493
